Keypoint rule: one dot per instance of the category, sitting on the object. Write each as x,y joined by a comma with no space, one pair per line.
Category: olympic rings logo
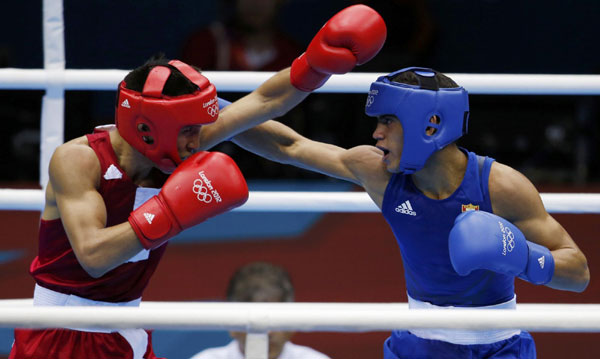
213,110
201,191
510,239
370,100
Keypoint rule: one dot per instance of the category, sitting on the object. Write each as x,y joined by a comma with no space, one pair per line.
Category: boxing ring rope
278,201
356,82
306,317
258,318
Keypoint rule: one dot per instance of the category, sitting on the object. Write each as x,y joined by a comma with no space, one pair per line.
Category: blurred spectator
20,138
249,40
261,282
586,143
411,35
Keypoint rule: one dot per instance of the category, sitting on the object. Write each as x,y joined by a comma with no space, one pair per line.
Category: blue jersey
422,225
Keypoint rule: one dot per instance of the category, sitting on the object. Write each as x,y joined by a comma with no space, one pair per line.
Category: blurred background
331,257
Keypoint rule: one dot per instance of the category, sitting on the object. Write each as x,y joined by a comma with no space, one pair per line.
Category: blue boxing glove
482,240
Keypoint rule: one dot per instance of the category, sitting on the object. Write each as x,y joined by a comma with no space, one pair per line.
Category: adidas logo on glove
149,217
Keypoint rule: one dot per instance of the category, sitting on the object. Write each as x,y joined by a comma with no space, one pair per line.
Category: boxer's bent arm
361,165
74,177
274,98
516,199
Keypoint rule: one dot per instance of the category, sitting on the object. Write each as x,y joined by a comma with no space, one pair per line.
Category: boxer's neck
443,173
136,165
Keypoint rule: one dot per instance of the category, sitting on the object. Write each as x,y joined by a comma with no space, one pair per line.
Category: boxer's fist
351,37
482,240
204,185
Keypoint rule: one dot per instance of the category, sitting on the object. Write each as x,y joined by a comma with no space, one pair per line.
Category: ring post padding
53,102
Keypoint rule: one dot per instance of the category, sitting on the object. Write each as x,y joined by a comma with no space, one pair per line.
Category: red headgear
150,121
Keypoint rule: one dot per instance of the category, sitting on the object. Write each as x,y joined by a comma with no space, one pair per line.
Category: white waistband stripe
464,337
137,338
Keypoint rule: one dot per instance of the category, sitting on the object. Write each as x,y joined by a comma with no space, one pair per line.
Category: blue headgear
414,106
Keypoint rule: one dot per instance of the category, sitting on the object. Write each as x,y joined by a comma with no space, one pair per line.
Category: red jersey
56,266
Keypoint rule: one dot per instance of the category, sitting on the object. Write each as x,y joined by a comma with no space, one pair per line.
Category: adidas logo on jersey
125,104
112,173
541,261
406,208
149,217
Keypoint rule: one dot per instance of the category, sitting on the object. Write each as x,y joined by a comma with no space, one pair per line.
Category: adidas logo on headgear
406,208
125,104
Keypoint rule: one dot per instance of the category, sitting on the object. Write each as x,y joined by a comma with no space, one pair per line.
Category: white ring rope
356,82
338,317
276,201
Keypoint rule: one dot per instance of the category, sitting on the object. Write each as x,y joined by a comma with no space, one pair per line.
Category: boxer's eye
385,120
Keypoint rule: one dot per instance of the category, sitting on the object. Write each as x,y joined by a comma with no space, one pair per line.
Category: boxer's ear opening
142,127
430,130
148,139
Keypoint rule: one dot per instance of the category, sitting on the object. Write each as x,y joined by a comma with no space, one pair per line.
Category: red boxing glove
351,37
204,185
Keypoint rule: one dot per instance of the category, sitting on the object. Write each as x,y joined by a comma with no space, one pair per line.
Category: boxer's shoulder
512,195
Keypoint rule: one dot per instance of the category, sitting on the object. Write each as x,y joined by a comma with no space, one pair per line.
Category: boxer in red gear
105,225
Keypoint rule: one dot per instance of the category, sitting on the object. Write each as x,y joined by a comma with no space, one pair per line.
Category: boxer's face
390,139
188,140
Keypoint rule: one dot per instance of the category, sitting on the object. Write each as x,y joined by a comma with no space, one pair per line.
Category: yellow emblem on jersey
469,207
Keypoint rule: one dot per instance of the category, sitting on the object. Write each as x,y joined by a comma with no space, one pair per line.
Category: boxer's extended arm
515,199
361,165
74,179
351,37
274,98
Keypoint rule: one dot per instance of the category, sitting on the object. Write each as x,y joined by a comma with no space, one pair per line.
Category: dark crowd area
551,139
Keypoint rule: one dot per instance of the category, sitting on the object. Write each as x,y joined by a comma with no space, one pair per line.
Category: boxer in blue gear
466,225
